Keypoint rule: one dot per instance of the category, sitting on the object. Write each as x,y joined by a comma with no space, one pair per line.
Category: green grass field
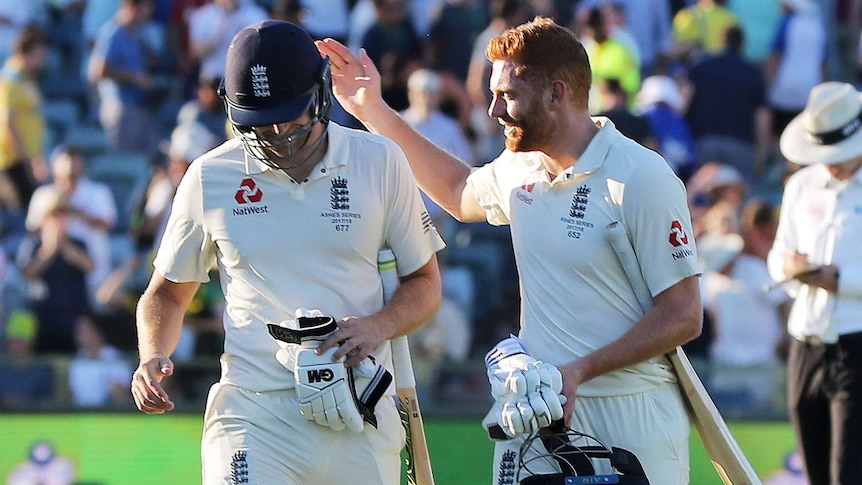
132,449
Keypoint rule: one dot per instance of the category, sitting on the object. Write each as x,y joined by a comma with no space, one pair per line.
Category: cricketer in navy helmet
292,211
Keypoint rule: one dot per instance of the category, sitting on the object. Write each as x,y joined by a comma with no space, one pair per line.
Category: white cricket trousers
654,425
261,438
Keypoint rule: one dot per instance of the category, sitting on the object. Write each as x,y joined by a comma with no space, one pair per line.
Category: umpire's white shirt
575,295
822,217
282,245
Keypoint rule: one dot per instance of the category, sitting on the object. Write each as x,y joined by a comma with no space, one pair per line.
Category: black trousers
825,401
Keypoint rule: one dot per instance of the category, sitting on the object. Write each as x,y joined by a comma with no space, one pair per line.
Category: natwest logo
677,236
248,192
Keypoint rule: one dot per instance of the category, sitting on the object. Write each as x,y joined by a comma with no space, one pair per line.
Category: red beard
531,132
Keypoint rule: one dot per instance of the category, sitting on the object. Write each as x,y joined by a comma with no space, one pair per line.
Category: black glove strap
310,328
372,394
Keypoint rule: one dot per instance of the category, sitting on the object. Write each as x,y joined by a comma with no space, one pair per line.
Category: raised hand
355,79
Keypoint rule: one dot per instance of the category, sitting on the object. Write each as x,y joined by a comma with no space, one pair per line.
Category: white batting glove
509,419
527,392
323,386
508,355
323,391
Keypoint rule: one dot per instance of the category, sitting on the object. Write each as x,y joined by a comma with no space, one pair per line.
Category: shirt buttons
322,170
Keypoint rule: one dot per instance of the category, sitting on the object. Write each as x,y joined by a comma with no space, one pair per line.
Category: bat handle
402,362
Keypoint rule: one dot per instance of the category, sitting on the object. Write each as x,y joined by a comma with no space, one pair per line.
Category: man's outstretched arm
356,84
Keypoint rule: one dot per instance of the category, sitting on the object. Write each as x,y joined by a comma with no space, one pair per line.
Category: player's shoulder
230,152
630,156
356,136
222,161
362,145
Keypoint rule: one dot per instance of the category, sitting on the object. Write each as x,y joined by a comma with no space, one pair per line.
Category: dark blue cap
272,73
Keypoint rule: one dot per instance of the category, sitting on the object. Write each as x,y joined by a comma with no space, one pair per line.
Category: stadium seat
88,137
61,113
127,175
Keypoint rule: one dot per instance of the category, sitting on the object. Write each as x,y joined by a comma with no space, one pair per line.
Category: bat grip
402,362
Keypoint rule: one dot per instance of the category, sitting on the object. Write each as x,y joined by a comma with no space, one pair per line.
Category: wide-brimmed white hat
829,129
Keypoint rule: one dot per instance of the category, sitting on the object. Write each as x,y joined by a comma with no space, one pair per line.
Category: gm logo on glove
320,375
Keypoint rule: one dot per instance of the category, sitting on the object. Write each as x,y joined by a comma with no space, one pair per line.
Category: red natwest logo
677,237
248,192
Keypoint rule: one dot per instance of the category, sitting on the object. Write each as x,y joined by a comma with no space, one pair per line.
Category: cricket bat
418,460
727,457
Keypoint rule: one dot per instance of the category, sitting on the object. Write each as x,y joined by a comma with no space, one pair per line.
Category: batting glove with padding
527,392
329,393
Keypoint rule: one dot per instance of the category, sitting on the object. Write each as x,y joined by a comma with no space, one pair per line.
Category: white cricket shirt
822,217
575,296
281,245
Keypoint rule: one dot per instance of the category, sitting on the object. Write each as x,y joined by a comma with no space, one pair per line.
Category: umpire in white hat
820,228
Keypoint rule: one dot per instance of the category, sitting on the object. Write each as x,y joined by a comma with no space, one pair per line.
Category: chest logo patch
248,192
339,202
575,223
579,202
339,194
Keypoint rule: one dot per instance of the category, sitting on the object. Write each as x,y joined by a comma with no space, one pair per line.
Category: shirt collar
596,153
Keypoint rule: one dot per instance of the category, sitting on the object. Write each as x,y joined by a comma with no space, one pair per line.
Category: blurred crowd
104,103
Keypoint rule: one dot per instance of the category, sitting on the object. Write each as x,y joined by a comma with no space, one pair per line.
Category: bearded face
529,131
517,105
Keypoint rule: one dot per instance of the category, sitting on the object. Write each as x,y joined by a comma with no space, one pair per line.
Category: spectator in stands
211,28
120,68
14,18
445,338
99,375
662,105
119,293
616,25
206,108
43,466
758,20
728,113
711,184
326,18
488,134
609,59
797,61
23,381
699,28
456,24
424,90
649,23
288,10
749,323
22,125
91,209
614,104
188,141
56,267
391,42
